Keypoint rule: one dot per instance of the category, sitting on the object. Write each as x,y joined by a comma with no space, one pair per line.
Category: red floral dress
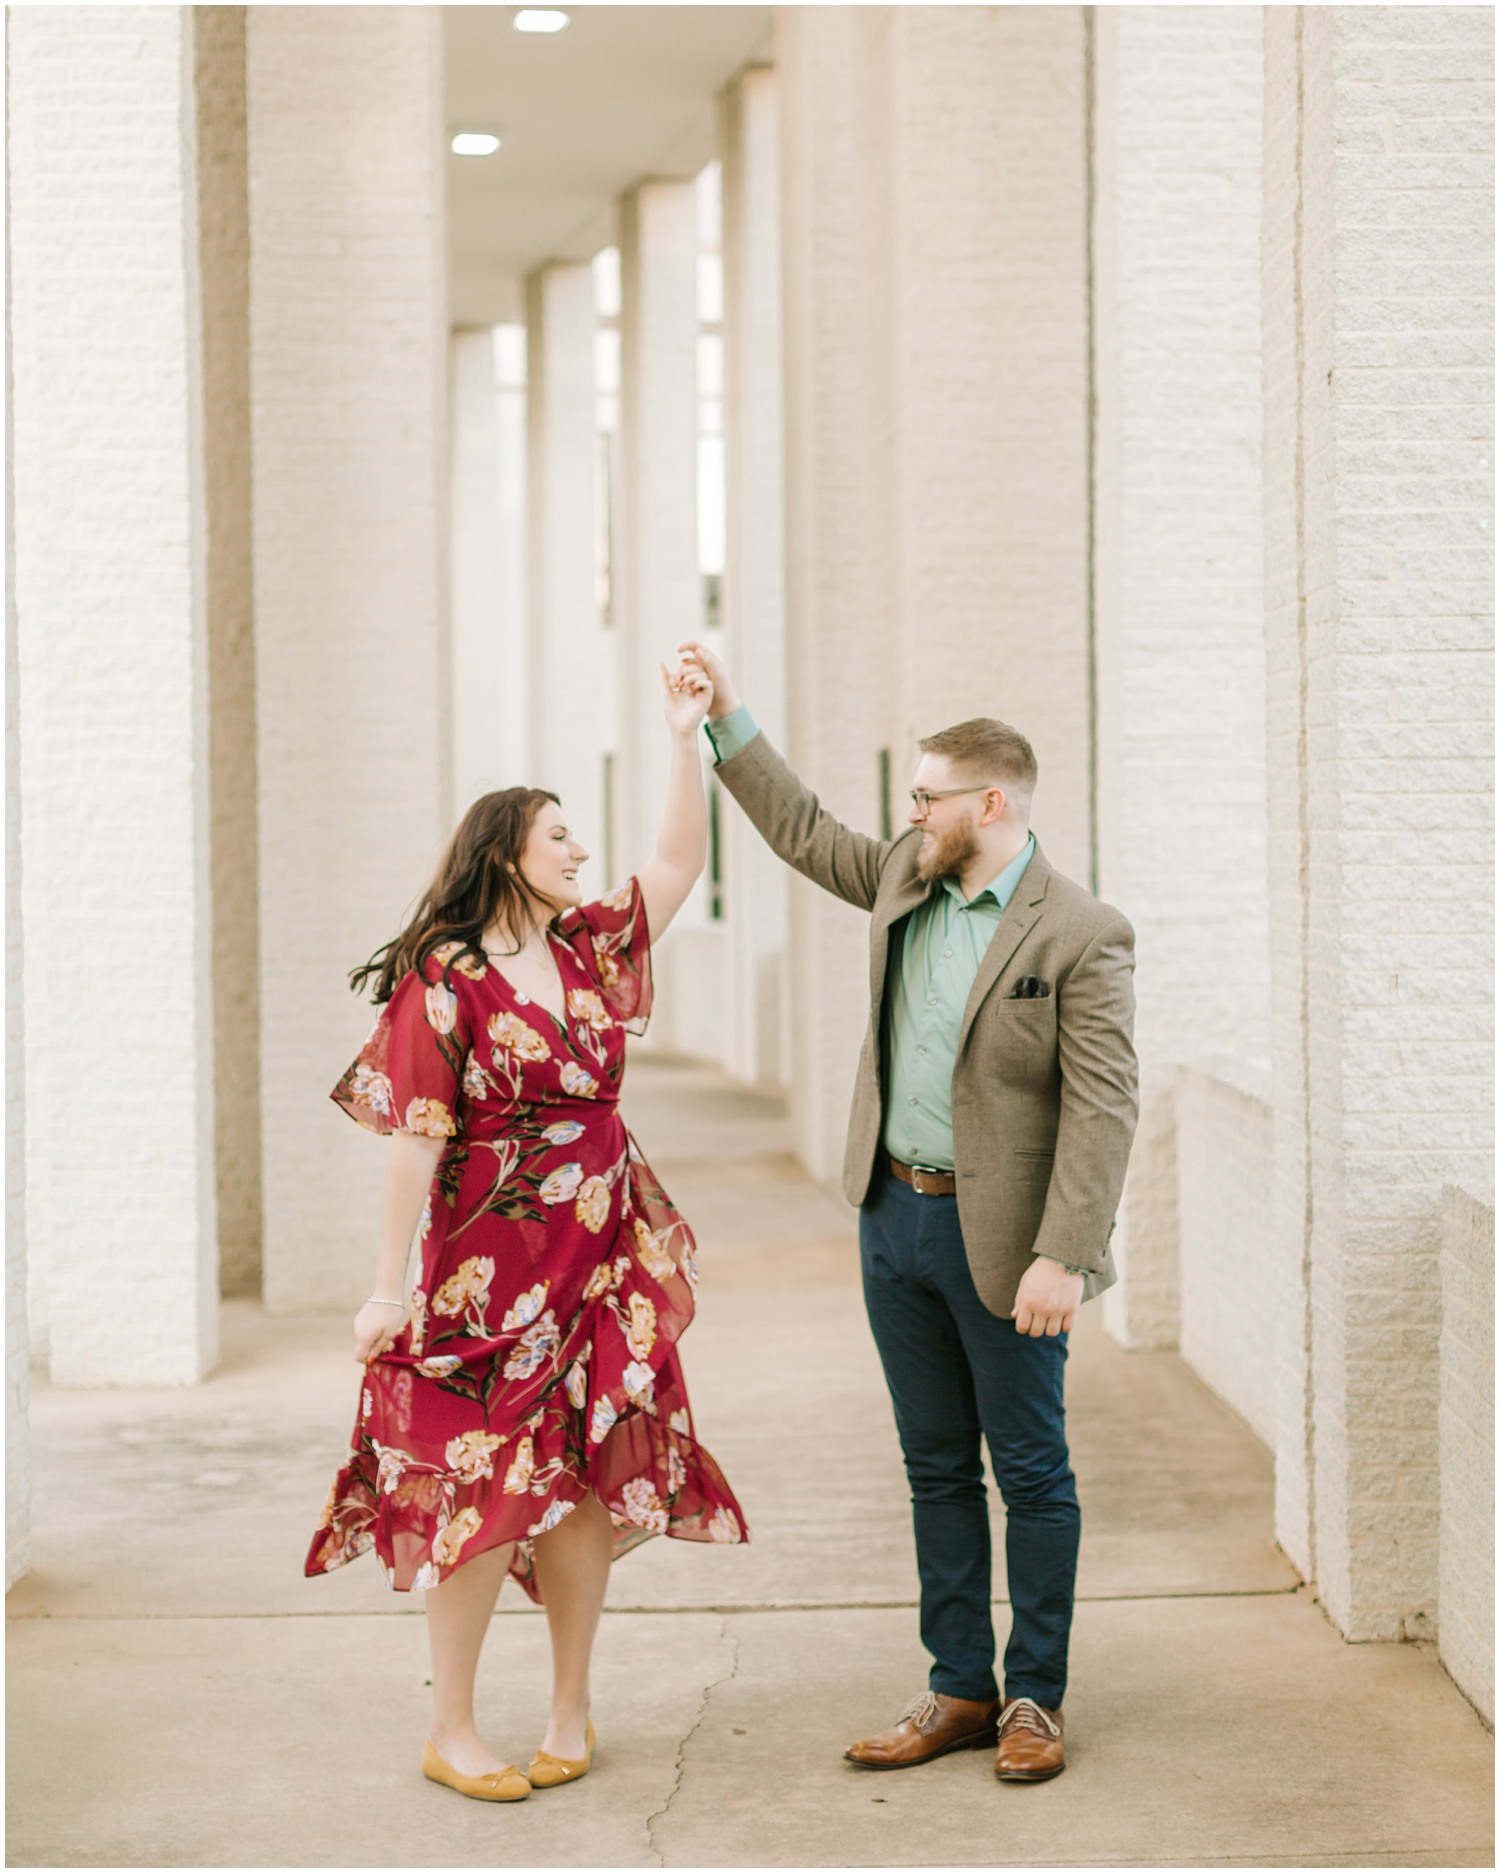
540,1360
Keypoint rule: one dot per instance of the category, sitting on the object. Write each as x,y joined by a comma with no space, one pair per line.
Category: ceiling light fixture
540,20
475,143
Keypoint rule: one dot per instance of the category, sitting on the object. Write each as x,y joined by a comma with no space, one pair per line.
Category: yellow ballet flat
502,1785
544,1771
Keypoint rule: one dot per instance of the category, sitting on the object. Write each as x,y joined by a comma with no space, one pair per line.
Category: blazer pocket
1022,1152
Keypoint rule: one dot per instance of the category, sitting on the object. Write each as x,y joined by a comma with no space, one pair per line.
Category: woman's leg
572,1568
458,1618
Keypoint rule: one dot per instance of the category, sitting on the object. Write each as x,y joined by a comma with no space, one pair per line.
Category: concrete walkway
180,1696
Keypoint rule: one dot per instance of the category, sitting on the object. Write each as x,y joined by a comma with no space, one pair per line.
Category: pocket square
1029,988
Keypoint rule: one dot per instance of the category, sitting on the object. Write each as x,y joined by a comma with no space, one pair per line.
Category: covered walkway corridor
185,1698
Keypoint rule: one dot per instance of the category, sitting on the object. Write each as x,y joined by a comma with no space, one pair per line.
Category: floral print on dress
556,1277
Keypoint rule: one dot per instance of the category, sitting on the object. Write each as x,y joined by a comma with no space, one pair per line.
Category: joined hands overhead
696,655
686,697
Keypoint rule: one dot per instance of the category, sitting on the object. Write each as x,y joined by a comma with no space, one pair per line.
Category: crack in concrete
692,1730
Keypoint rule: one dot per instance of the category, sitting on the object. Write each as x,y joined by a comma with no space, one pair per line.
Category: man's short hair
987,750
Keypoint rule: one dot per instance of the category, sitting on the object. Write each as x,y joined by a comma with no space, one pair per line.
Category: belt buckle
918,1172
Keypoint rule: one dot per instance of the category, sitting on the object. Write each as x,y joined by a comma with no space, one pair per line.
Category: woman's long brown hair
472,888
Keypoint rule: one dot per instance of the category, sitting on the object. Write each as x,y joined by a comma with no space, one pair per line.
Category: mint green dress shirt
942,947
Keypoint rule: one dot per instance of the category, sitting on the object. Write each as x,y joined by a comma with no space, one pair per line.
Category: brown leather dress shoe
931,1725
1031,1742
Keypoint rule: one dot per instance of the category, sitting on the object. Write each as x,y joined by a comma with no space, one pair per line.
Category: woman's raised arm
682,841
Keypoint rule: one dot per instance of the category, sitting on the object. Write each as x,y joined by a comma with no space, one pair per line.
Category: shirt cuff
731,733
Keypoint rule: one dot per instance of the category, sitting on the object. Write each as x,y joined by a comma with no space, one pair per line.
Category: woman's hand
375,1326
685,698
697,655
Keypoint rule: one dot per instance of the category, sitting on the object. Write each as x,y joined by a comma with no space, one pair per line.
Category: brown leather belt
926,1183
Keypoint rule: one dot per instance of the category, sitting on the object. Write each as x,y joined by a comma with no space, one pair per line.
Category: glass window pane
607,282
710,288
710,365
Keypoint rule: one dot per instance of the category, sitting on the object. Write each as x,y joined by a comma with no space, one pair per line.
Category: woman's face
551,857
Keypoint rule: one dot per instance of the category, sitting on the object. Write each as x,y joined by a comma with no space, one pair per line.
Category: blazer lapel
1021,916
903,900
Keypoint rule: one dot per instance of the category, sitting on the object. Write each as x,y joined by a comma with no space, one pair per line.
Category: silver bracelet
376,1300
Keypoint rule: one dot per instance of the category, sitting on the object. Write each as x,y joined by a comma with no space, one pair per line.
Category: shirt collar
1002,886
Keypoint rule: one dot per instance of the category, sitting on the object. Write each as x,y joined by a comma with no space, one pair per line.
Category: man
992,1120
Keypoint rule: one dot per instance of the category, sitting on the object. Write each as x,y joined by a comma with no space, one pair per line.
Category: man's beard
948,854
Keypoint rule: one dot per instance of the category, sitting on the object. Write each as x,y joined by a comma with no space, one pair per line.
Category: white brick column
477,652
829,646
658,592
754,576
1466,1433
110,599
972,340
348,355
17,1349
569,726
1378,392
1179,602
224,270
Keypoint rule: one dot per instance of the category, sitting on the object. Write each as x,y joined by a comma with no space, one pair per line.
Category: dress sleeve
614,944
406,1076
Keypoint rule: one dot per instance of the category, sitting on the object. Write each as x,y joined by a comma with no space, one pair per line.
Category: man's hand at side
1047,1299
726,699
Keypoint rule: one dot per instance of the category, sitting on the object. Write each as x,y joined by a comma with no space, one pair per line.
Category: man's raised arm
785,813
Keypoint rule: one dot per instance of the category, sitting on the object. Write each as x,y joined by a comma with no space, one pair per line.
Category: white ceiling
623,93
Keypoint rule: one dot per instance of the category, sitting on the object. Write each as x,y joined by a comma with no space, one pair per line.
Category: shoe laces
921,1710
1025,1713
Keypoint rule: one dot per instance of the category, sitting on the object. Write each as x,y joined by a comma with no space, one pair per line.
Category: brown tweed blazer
1044,1089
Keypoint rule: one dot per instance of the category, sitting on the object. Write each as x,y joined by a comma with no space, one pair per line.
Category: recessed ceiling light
540,20
475,143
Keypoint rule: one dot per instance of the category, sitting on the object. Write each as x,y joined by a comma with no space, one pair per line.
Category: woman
523,1409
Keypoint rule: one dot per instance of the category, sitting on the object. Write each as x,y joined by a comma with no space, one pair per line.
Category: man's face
950,827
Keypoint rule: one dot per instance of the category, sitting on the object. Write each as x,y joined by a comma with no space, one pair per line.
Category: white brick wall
832,648
570,722
110,596
1178,532
1466,1442
224,248
936,440
477,660
17,1443
1386,648
1224,1180
348,368
658,594
972,343
1286,772
758,1039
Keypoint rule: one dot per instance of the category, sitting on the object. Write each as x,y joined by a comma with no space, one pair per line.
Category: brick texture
567,730
17,1351
113,664
1466,1443
1224,1174
1179,552
224,271
348,355
1383,1086
759,1039
832,651
972,348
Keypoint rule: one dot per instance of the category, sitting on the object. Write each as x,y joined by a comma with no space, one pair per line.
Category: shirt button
921,1050
947,952
911,1102
932,1001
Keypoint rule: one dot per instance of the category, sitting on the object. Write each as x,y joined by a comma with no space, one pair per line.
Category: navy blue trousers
957,1373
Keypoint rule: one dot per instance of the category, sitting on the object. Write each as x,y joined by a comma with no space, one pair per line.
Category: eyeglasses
922,798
